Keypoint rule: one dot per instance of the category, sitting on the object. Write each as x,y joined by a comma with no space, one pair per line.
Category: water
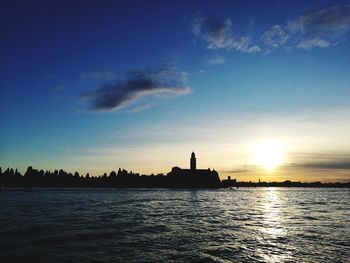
160,225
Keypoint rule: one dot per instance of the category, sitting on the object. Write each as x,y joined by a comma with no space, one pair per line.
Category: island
176,178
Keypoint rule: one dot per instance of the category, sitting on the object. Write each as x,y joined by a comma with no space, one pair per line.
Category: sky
91,86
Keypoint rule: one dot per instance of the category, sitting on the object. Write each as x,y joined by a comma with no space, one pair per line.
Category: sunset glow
250,87
175,131
268,154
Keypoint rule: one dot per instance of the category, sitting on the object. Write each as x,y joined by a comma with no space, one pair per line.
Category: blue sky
95,85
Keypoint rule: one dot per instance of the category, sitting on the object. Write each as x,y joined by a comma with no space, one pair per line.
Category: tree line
60,178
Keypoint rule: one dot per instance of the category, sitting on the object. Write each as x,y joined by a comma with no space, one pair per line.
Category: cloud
275,37
202,72
140,107
60,87
321,161
313,42
216,60
138,87
236,171
219,35
330,165
100,75
319,28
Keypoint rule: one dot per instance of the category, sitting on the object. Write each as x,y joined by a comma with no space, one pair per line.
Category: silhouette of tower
193,161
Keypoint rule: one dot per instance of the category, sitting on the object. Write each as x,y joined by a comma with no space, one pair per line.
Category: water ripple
159,225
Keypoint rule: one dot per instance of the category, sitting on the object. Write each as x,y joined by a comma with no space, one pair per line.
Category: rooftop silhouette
176,178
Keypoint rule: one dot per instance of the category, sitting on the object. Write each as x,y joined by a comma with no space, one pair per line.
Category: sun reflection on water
272,228
272,214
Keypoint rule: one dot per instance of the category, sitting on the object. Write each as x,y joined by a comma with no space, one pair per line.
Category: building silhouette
193,162
176,178
193,177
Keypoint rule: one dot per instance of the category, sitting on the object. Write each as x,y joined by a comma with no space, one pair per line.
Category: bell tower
193,162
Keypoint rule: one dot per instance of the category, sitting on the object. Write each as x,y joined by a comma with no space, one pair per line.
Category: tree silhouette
179,179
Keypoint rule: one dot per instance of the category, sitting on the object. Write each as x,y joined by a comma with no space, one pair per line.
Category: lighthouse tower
193,162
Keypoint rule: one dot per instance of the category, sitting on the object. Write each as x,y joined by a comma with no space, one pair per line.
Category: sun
268,153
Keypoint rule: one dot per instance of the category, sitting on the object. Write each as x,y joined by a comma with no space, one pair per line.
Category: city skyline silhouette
176,178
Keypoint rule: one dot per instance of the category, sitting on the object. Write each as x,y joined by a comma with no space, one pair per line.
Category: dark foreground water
245,225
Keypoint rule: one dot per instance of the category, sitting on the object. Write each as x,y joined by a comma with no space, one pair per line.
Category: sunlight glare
268,154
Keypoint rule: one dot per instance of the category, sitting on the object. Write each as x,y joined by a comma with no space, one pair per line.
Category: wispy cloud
236,171
323,161
319,28
345,165
217,60
218,34
139,85
140,107
338,165
275,37
60,87
101,75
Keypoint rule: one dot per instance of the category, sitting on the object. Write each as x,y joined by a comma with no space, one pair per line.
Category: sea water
165,225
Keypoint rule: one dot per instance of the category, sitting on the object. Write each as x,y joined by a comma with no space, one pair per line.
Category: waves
261,225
